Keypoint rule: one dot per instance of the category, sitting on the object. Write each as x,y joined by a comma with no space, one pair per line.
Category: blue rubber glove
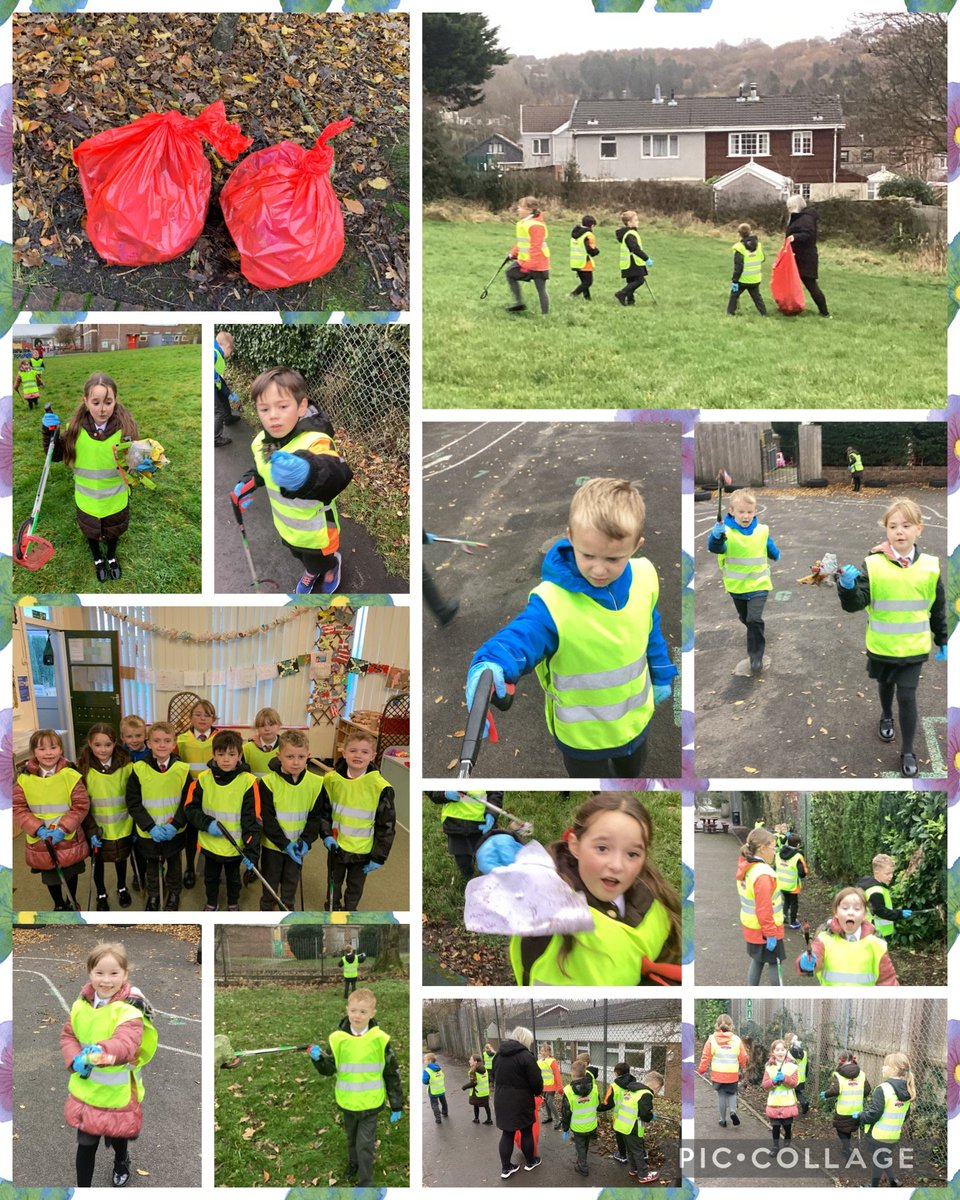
371,866
157,834
808,962
941,654
289,470
292,852
719,530
331,844
856,1116
246,864
649,263
55,837
473,678
429,538
661,692
147,465
50,420
242,494
906,912
303,847
395,1117
487,823
778,1078
43,832
316,1053
822,1095
848,576
81,1066
565,1135
771,943
497,851
234,401
214,828
96,842
735,288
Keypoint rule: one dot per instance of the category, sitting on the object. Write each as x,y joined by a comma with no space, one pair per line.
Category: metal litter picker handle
483,697
240,850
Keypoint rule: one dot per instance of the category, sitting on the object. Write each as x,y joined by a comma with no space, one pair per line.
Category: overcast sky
571,26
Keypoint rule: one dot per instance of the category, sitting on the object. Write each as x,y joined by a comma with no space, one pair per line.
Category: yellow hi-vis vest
354,803
748,905
883,925
292,803
612,955
160,790
850,1098
481,1086
850,964
219,362
546,1073
725,1059
465,810
196,754
437,1082
751,262
625,1116
222,802
360,1062
583,1109
597,689
744,564
487,1059
98,487
49,799
299,521
259,760
28,381
788,873
801,1067
855,462
351,967
578,251
108,801
522,233
890,1125
898,615
109,1087
779,1095
627,258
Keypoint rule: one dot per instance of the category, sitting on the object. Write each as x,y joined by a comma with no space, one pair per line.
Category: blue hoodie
532,636
718,545
427,1069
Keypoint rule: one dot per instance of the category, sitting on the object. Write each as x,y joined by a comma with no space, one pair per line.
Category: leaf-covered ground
78,74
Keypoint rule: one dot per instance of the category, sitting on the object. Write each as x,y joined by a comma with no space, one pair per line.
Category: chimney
657,97
672,103
753,93
741,98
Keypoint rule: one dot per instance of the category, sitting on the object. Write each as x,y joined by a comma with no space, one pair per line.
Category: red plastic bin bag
282,212
786,287
146,185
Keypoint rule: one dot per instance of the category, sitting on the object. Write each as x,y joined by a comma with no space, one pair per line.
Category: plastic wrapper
786,287
528,898
146,185
824,570
282,212
141,459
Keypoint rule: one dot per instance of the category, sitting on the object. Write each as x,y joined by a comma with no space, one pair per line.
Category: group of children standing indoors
878,1113
156,798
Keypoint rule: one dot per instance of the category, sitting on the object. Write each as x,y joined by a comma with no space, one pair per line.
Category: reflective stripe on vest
744,564
160,791
351,967
578,251
464,810
627,258
292,803
751,262
583,1109
354,803
855,964
788,874
307,523
49,799
546,1073
523,238
588,708
898,615
481,1086
626,1117
360,1062
108,801
883,925
850,1099
437,1085
98,488
259,760
748,904
109,1087
724,1059
612,955
890,1125
779,1095
222,802
196,754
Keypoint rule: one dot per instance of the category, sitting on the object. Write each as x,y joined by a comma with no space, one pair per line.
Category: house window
866,156
940,162
496,147
541,145
872,186
802,189
748,145
608,146
802,141
660,145
845,156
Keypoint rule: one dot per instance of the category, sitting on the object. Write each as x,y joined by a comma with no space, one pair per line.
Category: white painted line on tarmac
482,450
447,445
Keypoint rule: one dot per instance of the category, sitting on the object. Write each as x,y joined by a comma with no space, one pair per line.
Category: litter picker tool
257,580
648,288
303,907
723,479
477,717
29,549
93,858
462,543
51,850
161,872
483,294
273,1050
240,850
524,828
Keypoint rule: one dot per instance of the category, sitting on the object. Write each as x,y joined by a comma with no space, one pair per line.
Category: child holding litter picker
225,794
779,1081
632,1104
296,459
724,1056
625,915
106,1041
846,952
791,872
634,260
902,591
157,786
876,891
290,808
531,256
747,264
478,1085
583,250
849,1086
882,1119
465,819
761,906
591,631
50,801
106,767
367,1075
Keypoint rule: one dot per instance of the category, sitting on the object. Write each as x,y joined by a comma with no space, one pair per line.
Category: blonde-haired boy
591,631
290,809
876,889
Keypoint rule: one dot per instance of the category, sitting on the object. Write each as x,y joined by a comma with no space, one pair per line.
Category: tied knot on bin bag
146,185
528,898
283,214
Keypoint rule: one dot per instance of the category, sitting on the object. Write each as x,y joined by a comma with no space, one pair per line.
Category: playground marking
447,445
937,766
476,453
782,595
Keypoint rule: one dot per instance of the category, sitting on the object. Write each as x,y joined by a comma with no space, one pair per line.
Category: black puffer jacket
516,1079
846,1124
803,227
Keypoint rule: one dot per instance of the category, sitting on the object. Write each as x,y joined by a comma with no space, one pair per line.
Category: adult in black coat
802,233
517,1081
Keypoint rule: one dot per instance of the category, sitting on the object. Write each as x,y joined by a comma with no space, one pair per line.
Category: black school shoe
152,904
103,902
114,566
909,767
124,899
173,902
885,730
121,1171
189,878
101,569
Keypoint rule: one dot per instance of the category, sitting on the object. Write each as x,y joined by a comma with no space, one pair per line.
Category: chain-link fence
252,954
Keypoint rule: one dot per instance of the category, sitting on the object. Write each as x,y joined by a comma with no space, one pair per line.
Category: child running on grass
367,1075
478,1085
531,256
724,1056
634,260
849,1085
106,767
591,631
583,250
636,913
902,591
779,1081
28,383
743,547
876,891
761,906
106,1041
296,459
846,952
882,1119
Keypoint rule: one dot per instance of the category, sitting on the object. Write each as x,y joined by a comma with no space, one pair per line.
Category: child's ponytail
898,1065
755,839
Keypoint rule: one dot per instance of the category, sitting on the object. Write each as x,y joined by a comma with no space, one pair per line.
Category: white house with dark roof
545,134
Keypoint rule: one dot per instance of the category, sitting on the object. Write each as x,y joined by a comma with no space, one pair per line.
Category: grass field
161,550
276,1121
683,352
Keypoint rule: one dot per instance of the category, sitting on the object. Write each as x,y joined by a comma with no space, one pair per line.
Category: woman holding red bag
802,235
